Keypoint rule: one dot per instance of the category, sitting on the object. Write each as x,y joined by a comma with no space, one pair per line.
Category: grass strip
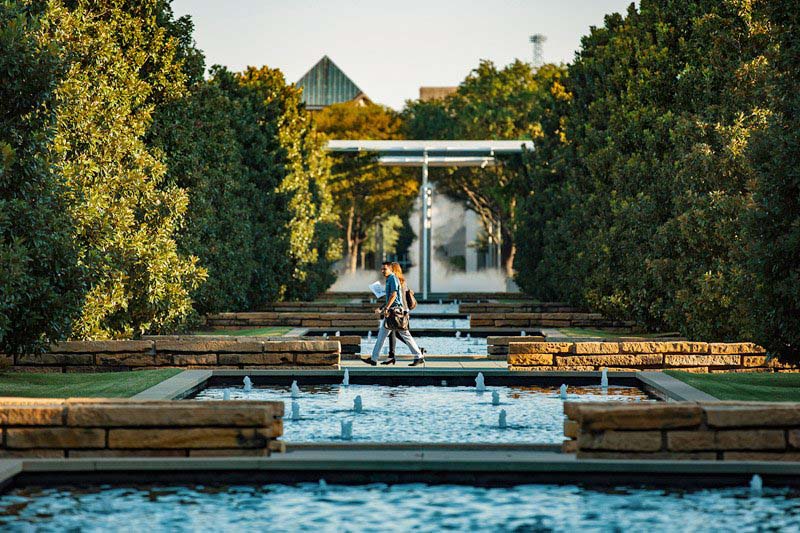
274,331
94,385
764,387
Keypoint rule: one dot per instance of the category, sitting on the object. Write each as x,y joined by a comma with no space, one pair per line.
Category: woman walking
397,314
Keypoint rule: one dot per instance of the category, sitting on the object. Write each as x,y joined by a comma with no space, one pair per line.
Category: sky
389,49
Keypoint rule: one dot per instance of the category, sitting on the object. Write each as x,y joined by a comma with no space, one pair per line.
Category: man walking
394,300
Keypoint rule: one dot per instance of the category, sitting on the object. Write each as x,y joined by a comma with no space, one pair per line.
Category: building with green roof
325,84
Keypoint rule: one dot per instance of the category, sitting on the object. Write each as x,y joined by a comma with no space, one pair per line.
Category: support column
426,200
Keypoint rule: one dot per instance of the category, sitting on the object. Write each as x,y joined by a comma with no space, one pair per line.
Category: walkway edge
177,387
668,388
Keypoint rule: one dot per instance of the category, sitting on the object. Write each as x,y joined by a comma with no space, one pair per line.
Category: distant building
426,94
325,84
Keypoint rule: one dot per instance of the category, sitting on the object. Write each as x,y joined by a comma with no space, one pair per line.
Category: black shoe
416,362
369,361
390,361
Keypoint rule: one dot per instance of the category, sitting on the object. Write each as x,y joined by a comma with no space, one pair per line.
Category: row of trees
134,193
664,187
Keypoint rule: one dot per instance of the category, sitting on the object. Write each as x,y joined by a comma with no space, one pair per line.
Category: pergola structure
431,154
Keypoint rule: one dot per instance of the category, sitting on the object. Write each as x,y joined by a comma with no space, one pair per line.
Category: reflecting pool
409,507
426,413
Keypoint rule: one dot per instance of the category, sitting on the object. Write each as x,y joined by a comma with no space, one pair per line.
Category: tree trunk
352,259
352,245
507,253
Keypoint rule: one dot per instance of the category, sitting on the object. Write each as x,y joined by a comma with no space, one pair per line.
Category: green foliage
41,285
491,103
125,219
290,207
774,224
204,158
365,194
644,207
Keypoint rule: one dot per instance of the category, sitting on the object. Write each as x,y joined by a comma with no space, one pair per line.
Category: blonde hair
398,271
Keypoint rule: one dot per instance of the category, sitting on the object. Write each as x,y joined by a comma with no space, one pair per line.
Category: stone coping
182,387
178,351
473,467
558,320
643,355
724,431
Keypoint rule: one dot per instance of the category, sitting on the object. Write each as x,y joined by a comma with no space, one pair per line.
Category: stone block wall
293,319
727,431
81,427
111,356
652,355
497,347
319,307
350,344
520,306
553,320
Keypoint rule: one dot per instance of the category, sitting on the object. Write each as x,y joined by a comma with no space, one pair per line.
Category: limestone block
55,437
552,323
162,413
517,346
33,453
595,348
754,360
125,359
274,358
316,323
552,368
496,350
761,456
234,452
208,346
752,414
626,360
675,360
752,439
316,359
264,315
38,414
102,346
530,359
195,359
595,417
571,428
78,454
55,359
676,456
569,446
480,322
691,440
277,446
794,438
633,441
193,437
735,348
35,369
505,323
302,346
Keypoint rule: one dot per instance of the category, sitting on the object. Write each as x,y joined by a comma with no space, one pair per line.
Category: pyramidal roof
326,84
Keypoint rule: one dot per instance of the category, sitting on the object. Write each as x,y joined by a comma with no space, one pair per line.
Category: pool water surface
426,413
409,507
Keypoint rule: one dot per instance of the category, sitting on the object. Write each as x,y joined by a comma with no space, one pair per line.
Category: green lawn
604,334
745,386
101,385
268,331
